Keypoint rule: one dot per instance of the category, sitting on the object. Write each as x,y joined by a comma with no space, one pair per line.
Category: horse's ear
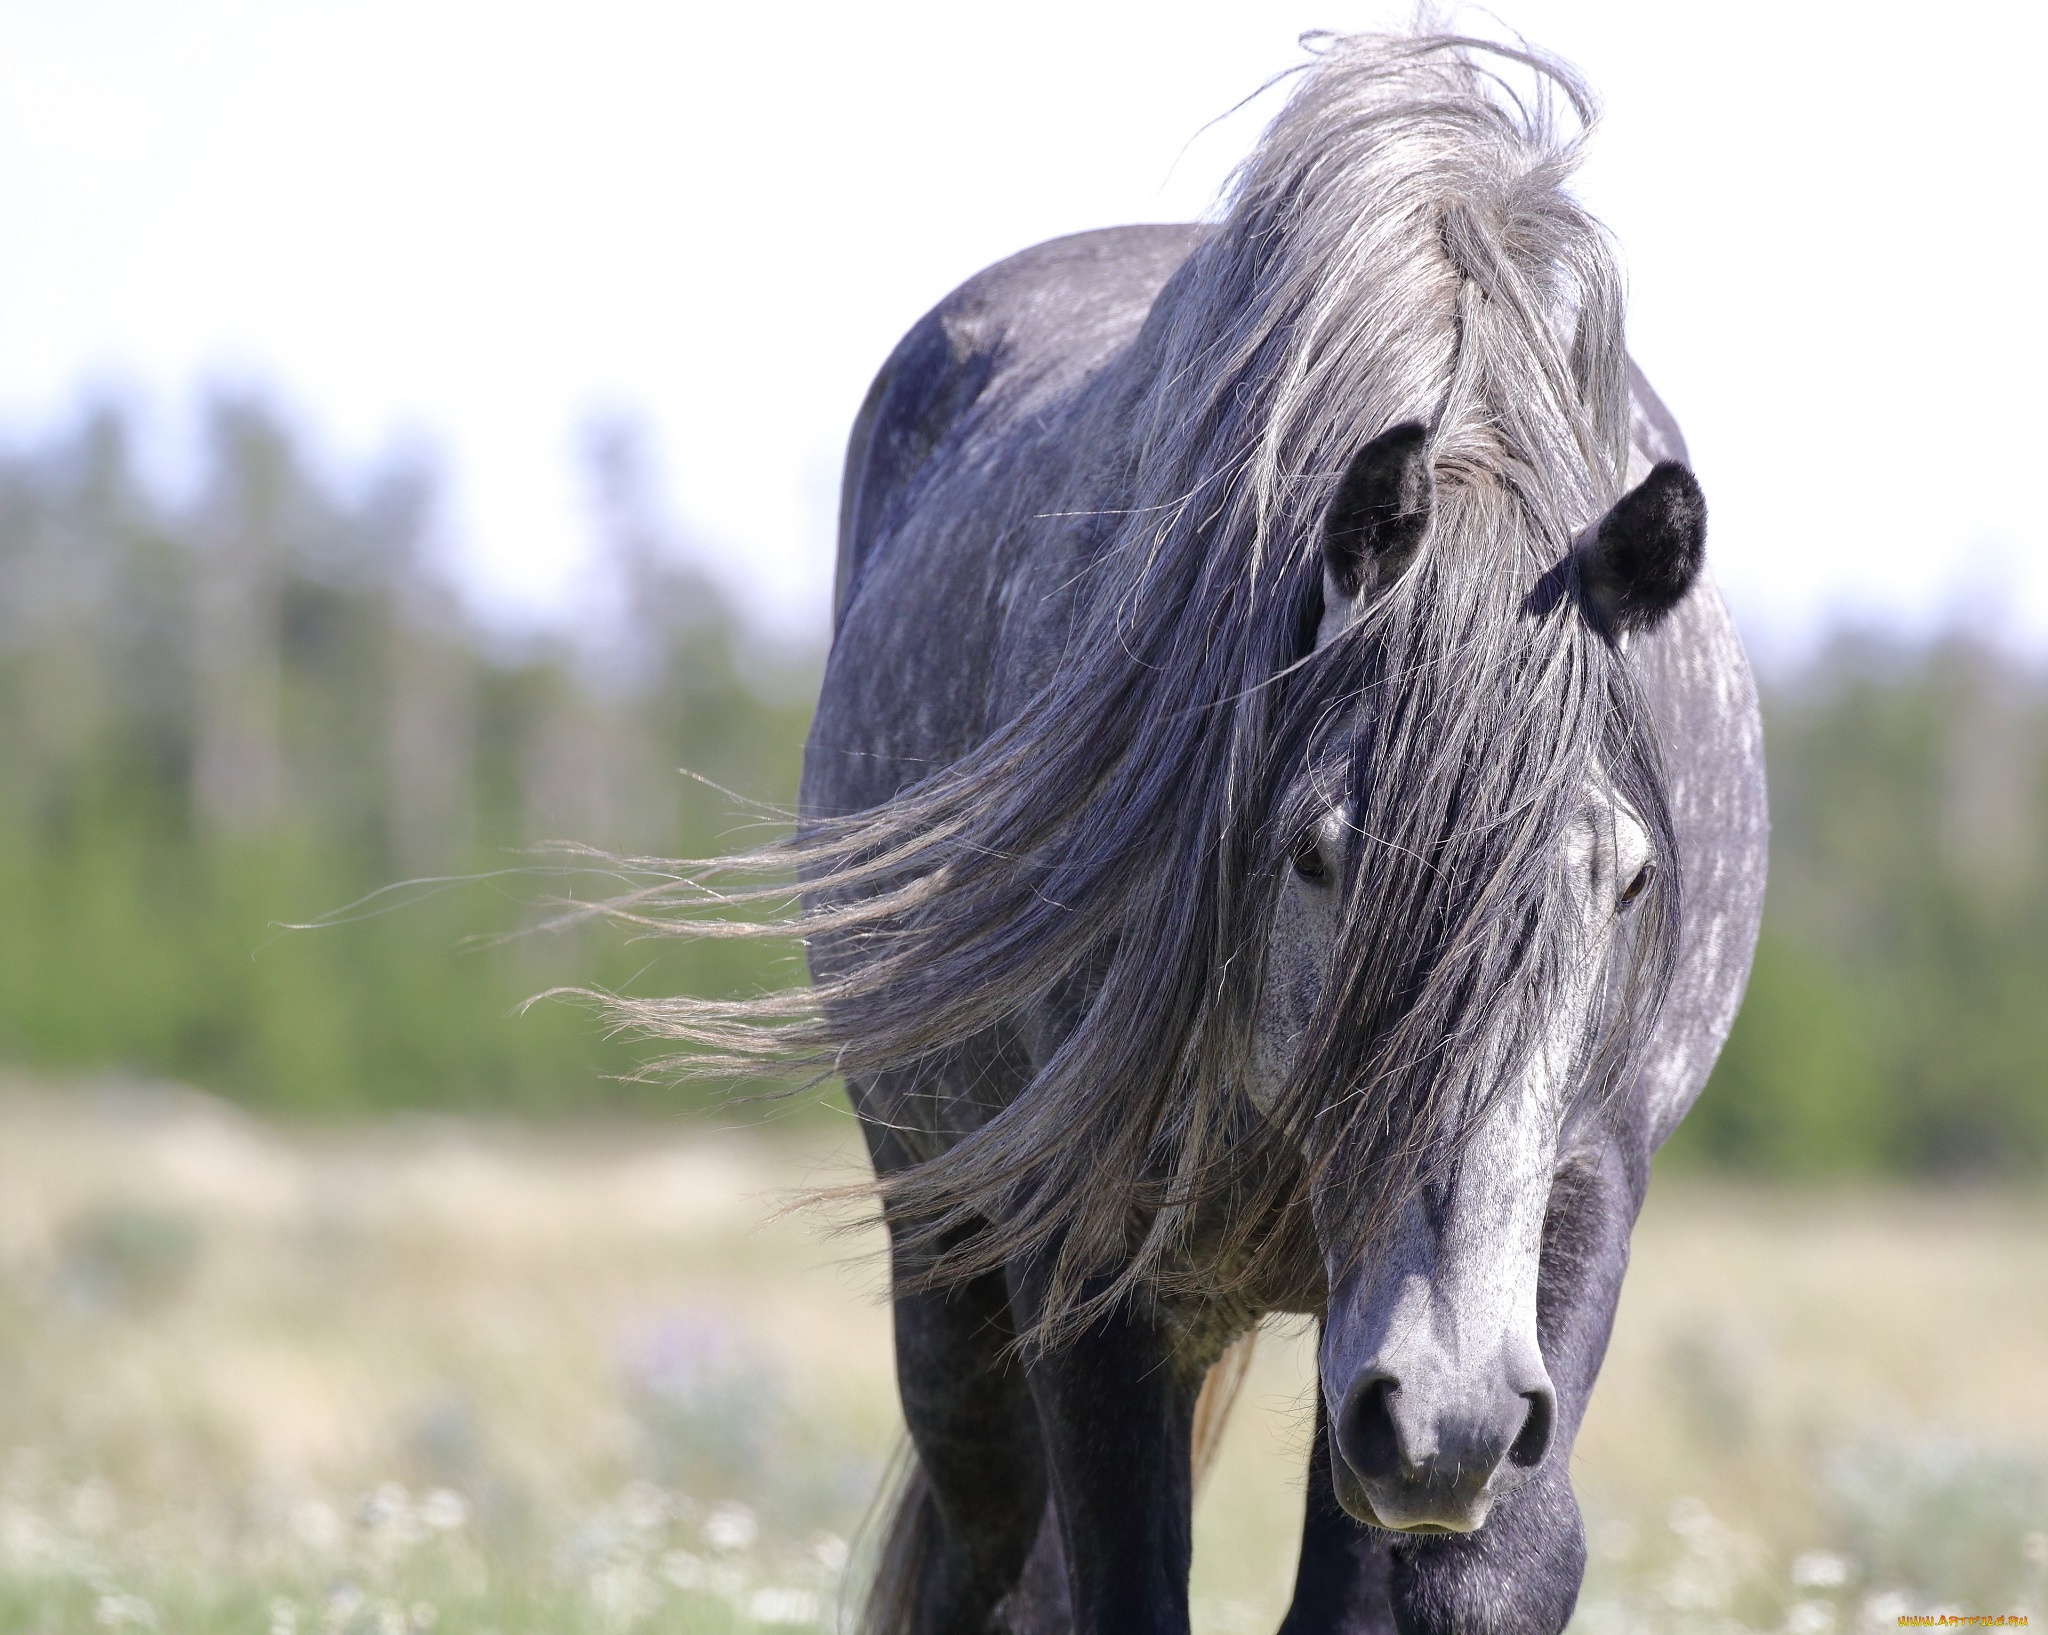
1642,559
1379,514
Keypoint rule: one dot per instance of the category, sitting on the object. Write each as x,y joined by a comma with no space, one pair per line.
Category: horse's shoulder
1039,319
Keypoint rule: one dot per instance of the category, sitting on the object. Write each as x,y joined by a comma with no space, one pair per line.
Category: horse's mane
1399,246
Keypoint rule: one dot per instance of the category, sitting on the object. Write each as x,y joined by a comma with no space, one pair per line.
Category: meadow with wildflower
451,1376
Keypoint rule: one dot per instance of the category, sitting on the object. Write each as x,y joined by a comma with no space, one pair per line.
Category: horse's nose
1433,1450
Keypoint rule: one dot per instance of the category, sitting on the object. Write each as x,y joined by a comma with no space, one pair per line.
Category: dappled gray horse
1284,832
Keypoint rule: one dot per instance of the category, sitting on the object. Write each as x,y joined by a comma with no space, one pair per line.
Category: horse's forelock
1481,724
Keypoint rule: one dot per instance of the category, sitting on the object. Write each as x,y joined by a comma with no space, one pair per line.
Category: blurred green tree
263,704
1897,1018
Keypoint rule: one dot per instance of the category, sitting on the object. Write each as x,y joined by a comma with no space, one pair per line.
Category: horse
1282,832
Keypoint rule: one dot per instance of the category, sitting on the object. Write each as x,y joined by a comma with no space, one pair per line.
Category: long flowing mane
1399,246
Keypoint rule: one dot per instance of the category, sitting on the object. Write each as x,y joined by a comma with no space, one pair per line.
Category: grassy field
438,1375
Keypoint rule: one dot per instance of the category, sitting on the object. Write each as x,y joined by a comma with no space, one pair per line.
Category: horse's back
916,599
1026,328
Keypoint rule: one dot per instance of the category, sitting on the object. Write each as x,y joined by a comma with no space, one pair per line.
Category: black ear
1380,511
1647,551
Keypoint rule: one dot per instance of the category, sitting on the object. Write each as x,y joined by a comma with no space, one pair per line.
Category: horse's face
1437,1393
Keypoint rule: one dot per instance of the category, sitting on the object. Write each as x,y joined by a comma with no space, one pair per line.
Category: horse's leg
971,1420
1116,1415
1039,1604
973,1507
1341,1583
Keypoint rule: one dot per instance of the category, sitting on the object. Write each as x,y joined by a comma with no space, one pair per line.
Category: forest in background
1897,1014
257,704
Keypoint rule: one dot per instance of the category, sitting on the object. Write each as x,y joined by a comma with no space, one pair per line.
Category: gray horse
1283,832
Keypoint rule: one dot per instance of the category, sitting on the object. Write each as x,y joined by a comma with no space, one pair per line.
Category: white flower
344,1601
783,1606
1820,1570
385,1506
117,1611
731,1527
444,1510
643,1507
26,1540
1810,1618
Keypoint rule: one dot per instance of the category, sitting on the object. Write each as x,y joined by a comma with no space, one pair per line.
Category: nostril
1534,1440
1365,1431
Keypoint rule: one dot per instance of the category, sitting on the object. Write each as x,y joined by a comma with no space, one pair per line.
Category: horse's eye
1637,886
1308,859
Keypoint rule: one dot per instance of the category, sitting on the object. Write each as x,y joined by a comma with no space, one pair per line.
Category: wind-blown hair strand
1400,245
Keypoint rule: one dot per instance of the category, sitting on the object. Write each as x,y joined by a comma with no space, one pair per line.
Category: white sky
475,225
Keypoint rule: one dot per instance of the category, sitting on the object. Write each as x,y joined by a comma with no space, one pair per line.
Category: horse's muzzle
1423,1446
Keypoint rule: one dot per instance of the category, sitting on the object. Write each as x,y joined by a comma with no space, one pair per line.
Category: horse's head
1473,908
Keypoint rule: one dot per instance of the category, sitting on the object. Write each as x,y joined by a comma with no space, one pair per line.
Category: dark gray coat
949,618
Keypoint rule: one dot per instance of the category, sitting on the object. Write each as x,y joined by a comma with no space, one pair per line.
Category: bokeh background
418,445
